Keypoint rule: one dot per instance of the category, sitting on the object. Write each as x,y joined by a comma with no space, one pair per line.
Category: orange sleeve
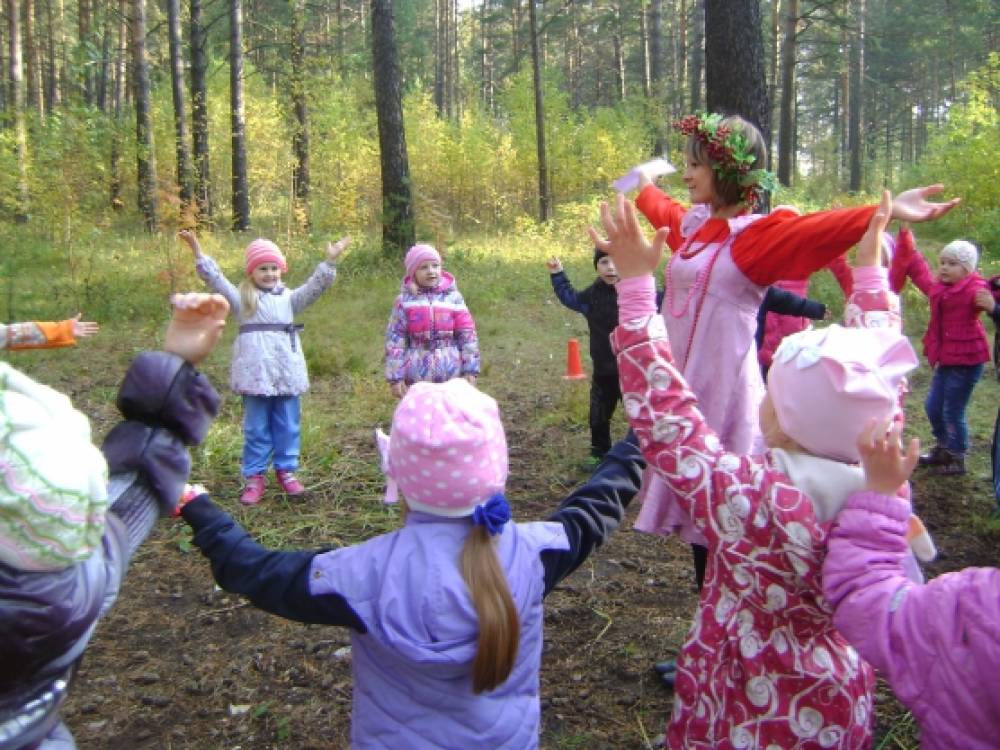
56,335
784,245
662,211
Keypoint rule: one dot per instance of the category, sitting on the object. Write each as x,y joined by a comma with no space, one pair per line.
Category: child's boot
253,489
953,466
935,456
289,482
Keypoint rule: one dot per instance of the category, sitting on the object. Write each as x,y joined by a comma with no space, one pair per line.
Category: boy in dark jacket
599,305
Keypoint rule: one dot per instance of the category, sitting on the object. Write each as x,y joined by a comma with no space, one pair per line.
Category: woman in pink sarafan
763,665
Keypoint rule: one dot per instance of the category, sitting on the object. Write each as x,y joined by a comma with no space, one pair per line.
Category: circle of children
795,499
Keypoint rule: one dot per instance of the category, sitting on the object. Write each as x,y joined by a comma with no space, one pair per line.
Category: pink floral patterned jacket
763,666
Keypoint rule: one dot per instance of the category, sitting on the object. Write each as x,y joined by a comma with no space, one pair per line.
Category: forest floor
178,663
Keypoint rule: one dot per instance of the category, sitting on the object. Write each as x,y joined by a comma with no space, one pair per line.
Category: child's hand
398,388
913,205
886,466
554,265
191,491
984,300
870,247
634,255
188,237
335,249
83,328
196,325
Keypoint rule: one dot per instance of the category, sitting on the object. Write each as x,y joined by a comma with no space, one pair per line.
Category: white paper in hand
655,168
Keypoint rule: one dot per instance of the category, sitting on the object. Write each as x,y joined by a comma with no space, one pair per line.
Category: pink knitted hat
417,255
447,450
826,384
264,251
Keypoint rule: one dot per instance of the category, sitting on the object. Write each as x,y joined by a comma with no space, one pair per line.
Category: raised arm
275,581
593,511
564,289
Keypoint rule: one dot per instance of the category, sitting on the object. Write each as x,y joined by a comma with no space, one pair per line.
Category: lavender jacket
937,644
268,363
413,625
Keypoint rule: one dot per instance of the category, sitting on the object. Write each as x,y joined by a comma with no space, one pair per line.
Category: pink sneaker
253,489
289,482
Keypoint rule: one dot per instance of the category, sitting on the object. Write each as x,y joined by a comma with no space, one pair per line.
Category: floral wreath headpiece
731,155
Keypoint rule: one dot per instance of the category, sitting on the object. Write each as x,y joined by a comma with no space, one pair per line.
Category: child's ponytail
248,298
499,628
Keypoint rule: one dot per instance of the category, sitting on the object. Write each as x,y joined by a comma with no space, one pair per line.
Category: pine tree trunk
696,55
857,61
300,135
84,19
199,115
33,66
397,204
619,52
105,72
145,155
785,126
241,198
544,208
118,106
180,112
21,198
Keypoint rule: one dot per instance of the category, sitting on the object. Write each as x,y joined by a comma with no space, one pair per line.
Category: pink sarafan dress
710,311
763,665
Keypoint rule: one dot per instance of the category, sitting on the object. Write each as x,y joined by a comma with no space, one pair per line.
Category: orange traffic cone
574,368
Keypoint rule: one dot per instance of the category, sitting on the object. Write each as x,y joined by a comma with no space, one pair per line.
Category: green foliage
964,154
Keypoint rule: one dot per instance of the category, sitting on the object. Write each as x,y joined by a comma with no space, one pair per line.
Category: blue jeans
951,389
270,429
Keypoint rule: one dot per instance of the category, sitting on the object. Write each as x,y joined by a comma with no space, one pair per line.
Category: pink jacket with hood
937,644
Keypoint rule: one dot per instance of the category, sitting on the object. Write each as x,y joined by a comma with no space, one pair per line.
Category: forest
491,129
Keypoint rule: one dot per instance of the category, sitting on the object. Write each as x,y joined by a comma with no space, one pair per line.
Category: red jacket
955,334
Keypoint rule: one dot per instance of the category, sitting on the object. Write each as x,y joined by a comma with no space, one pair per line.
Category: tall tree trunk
647,86
118,105
857,61
21,198
145,155
656,76
84,20
199,115
440,45
105,71
619,52
397,204
32,58
544,209
515,33
300,134
735,81
696,55
237,118
788,47
53,92
180,113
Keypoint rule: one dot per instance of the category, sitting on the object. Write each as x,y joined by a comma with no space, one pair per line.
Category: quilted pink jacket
938,644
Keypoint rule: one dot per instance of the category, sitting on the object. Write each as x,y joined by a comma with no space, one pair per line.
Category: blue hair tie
492,514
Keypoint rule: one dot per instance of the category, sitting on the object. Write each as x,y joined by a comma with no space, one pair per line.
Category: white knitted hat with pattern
53,480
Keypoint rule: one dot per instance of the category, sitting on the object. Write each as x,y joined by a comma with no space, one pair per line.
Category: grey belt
290,328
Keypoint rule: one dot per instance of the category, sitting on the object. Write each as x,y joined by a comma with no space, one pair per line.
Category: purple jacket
413,626
937,644
412,669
